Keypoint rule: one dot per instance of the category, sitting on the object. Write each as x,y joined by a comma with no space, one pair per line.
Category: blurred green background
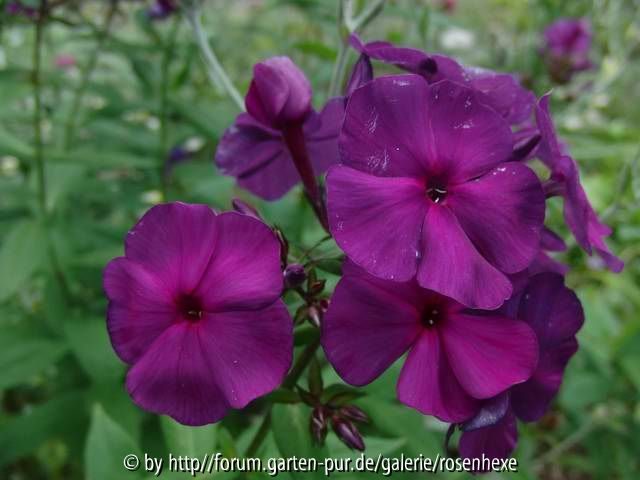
108,123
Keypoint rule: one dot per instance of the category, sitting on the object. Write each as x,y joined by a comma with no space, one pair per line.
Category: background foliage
141,89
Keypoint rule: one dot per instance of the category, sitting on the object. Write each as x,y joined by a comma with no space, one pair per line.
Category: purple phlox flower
566,47
500,91
17,8
579,215
257,148
195,309
526,139
361,73
457,357
424,190
554,312
162,9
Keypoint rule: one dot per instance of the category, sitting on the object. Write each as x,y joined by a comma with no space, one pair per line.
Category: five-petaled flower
425,189
195,309
457,356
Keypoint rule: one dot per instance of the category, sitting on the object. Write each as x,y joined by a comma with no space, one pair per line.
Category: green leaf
24,353
90,344
21,254
339,394
63,416
107,446
186,440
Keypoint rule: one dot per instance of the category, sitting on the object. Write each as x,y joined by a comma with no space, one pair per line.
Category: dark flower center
190,308
432,315
436,193
428,66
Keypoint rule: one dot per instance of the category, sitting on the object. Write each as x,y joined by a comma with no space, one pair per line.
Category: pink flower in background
457,357
425,190
195,309
65,61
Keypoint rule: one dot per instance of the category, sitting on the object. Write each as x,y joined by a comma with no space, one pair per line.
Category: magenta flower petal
279,92
496,441
489,354
555,314
428,384
579,215
244,269
465,138
177,255
363,209
173,378
512,202
249,351
367,327
503,93
452,265
384,125
321,134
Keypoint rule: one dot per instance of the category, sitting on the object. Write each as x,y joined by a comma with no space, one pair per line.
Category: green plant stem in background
215,71
41,179
37,112
165,80
70,124
294,375
347,25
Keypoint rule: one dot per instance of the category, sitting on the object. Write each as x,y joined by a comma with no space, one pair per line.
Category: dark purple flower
500,91
555,315
257,148
579,215
457,357
424,189
162,9
566,48
195,309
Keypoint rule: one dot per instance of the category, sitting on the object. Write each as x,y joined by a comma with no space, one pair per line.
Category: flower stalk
87,71
215,71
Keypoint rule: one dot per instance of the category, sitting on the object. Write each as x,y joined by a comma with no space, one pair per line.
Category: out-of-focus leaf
107,446
317,49
21,254
63,416
90,343
24,353
291,432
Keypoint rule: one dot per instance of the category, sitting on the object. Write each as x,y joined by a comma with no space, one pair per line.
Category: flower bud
347,433
279,93
319,424
294,275
314,315
351,412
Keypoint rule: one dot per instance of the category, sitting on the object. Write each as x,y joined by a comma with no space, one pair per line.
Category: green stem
37,112
347,25
215,71
70,124
39,150
163,147
294,375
